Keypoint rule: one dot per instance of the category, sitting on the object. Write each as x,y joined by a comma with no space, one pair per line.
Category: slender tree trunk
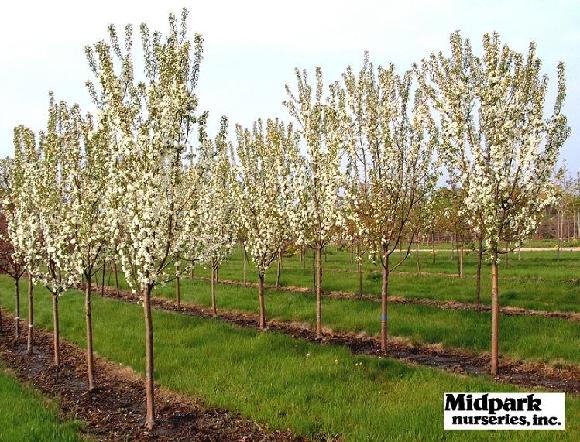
507,254
17,300
278,269
245,259
433,246
116,277
494,316
178,290
103,279
359,268
30,339
417,259
55,330
262,320
461,255
559,229
191,272
384,292
318,283
89,323
212,284
149,365
478,274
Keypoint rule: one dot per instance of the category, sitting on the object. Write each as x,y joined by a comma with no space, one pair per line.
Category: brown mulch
529,374
396,299
115,409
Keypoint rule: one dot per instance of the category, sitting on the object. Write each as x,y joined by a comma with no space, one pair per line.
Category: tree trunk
149,366
17,300
116,277
30,339
384,291
318,283
89,323
178,290
212,284
245,259
461,255
55,330
494,316
507,254
417,258
278,269
262,320
433,246
478,274
359,269
103,279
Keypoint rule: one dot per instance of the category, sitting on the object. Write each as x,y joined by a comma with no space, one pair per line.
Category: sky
252,47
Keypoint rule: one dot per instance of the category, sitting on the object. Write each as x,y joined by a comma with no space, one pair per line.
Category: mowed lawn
535,280
550,340
317,391
26,416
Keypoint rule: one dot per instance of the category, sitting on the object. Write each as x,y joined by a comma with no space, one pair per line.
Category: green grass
314,390
26,416
538,280
523,337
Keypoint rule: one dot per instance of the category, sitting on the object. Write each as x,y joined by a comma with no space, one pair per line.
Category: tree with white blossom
319,212
47,197
497,141
11,259
217,224
268,156
390,146
88,170
147,197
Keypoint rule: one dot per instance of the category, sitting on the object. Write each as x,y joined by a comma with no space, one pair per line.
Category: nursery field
315,391
533,280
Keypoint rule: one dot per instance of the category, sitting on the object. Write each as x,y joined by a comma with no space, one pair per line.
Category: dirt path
115,410
523,373
445,305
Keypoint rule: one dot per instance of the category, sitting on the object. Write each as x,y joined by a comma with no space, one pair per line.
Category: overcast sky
251,47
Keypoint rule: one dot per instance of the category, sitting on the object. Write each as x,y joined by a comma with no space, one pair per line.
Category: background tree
268,155
217,225
320,212
11,260
389,161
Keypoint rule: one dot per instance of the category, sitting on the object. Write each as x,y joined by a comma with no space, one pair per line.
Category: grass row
543,339
26,416
317,391
538,280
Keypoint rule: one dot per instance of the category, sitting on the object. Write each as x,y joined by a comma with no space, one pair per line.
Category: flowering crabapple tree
319,212
88,178
266,197
390,161
217,224
497,141
49,191
150,121
22,218
11,260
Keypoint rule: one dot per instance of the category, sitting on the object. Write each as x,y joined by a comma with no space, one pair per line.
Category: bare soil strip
115,410
528,374
445,305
